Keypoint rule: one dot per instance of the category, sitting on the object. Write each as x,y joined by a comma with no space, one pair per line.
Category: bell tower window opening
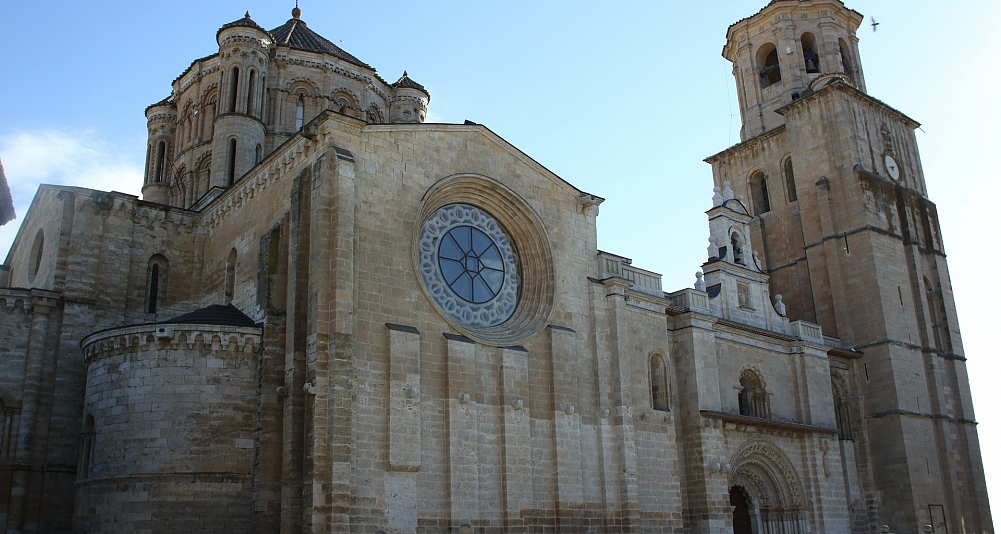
738,252
658,384
790,180
810,57
234,87
759,193
768,65
252,78
299,110
752,400
231,163
846,59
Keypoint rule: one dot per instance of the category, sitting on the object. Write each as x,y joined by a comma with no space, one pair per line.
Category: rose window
468,265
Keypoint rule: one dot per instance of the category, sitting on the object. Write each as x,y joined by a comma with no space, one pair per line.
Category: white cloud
64,158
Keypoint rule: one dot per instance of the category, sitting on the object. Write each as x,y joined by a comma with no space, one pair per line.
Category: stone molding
171,337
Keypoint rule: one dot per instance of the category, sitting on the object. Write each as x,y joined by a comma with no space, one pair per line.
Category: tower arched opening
768,65
811,59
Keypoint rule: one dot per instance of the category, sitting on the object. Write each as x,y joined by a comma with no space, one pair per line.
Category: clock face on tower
891,167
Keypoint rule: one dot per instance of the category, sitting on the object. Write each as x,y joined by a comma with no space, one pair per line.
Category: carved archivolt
762,468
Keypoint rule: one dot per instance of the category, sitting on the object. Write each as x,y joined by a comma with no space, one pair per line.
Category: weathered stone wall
171,445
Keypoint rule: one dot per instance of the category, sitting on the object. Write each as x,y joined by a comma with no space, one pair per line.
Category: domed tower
410,101
161,121
777,57
238,130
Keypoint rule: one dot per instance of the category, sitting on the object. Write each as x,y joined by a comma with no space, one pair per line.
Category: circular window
468,265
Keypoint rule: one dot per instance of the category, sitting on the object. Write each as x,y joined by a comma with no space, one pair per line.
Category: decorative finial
296,11
404,74
247,15
700,284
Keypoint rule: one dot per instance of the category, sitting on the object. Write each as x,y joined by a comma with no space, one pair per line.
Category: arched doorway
741,511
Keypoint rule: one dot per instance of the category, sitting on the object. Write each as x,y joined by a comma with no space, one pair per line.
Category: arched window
231,163
6,427
161,153
230,289
810,57
299,110
156,283
37,248
263,98
759,193
846,58
752,399
234,88
736,243
790,180
252,78
842,410
768,65
86,446
154,288
659,393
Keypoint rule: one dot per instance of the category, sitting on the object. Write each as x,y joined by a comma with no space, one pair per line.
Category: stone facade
262,344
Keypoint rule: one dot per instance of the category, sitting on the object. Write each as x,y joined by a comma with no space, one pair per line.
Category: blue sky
623,100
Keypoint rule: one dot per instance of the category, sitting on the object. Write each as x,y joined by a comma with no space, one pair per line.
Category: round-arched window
469,265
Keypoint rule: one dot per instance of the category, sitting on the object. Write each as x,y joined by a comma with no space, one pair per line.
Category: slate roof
6,201
295,34
406,82
215,314
169,102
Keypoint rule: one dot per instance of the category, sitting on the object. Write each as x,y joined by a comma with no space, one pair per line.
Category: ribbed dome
407,83
295,34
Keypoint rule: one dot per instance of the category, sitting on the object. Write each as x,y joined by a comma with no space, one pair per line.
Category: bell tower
776,58
841,218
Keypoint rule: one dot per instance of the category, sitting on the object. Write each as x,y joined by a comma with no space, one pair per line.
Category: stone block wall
168,440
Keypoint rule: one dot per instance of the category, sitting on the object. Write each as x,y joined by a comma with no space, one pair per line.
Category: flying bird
874,23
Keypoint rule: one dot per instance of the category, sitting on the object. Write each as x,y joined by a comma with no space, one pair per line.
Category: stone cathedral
327,315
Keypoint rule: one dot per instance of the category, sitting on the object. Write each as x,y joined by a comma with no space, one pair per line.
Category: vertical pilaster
569,480
517,452
404,427
463,417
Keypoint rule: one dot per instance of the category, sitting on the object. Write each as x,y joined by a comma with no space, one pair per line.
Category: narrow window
250,91
790,180
154,287
161,152
231,168
810,57
234,80
842,410
759,193
263,99
658,383
86,446
38,247
230,276
299,108
257,155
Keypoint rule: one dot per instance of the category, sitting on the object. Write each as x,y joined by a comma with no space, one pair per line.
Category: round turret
238,131
161,121
410,101
779,51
